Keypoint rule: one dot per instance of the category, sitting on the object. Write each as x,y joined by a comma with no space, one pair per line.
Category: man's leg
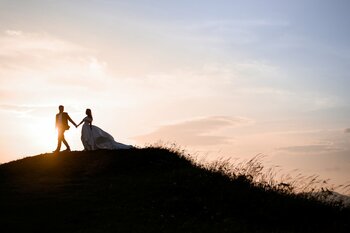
59,140
65,142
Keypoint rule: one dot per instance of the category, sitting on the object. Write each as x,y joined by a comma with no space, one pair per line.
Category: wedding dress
94,138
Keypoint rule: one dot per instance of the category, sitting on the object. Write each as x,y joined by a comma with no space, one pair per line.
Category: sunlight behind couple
44,135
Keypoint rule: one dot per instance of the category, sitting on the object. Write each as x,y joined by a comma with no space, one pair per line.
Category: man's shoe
67,150
55,151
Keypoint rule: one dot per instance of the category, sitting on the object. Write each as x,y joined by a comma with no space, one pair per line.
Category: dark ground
147,190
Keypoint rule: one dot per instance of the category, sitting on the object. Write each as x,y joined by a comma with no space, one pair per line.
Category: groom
62,119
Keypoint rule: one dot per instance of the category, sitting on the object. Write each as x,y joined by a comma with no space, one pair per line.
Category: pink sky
217,85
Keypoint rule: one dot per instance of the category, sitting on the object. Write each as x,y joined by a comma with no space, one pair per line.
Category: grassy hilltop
149,190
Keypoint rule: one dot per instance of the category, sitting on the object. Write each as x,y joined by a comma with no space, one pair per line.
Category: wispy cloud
28,110
226,31
23,51
231,24
15,108
209,79
313,148
20,42
38,62
196,132
13,32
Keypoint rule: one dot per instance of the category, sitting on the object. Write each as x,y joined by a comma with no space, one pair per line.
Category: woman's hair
88,112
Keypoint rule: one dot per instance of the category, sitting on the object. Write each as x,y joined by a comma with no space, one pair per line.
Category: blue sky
227,78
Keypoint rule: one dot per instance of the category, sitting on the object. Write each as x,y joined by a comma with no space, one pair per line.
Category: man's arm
80,123
68,117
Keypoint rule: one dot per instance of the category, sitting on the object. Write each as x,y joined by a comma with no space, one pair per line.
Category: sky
218,78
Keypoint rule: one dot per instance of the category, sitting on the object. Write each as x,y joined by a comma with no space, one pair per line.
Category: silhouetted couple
92,137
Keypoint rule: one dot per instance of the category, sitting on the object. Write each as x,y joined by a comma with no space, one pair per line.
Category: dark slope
147,190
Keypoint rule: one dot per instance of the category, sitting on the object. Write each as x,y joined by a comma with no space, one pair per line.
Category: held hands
79,123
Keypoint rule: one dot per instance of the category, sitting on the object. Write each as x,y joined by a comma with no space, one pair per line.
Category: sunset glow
219,78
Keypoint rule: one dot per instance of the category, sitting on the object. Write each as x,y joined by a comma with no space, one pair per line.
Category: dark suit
62,125
64,122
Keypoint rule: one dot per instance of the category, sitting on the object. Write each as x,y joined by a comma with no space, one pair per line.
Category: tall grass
272,178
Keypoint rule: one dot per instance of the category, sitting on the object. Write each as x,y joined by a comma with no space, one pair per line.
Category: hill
148,190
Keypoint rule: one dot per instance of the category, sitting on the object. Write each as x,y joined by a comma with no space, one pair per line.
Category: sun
42,133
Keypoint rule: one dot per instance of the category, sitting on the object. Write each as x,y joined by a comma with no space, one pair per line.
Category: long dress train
94,138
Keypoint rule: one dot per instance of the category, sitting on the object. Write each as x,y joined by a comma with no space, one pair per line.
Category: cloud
230,26
15,42
13,32
39,64
15,108
211,79
347,130
26,110
33,111
220,32
25,52
196,132
313,148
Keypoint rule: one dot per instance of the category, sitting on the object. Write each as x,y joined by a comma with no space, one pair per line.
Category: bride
94,138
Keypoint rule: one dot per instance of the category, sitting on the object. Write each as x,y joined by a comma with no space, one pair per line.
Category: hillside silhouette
148,190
